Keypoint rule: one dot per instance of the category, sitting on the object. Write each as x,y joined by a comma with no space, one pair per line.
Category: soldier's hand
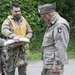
54,69
16,39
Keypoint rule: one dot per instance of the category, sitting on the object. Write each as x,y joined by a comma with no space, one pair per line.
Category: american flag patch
6,22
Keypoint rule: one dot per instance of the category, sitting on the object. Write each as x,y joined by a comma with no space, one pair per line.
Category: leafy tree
29,10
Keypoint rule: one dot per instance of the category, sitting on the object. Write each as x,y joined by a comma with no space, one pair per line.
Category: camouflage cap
46,8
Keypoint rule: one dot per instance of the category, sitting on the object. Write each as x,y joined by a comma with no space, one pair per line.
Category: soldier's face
47,17
16,12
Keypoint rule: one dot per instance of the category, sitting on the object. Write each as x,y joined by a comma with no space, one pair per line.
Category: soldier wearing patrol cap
55,41
14,27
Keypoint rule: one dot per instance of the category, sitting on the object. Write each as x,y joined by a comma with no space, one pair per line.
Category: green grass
71,53
37,55
33,55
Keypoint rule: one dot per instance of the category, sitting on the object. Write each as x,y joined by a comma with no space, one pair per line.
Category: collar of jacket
53,20
12,17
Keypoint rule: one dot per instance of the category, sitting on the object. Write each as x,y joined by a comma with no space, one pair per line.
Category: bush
29,11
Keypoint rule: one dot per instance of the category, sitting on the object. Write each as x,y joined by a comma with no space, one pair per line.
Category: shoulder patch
59,30
6,22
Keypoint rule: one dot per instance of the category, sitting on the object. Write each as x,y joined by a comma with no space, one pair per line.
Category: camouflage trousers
21,71
16,58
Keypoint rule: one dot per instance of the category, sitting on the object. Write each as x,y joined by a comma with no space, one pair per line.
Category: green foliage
38,55
34,55
29,11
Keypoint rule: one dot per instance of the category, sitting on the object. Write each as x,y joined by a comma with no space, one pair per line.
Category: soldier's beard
17,17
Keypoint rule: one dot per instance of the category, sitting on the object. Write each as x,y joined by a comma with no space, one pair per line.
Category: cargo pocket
48,58
9,64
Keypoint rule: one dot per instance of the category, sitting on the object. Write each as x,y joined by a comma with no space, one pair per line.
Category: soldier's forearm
29,35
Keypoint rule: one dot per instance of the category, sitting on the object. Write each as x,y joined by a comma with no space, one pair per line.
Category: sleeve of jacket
61,39
28,31
5,29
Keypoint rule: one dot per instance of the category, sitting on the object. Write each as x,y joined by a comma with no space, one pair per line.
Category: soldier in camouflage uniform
2,57
55,40
14,27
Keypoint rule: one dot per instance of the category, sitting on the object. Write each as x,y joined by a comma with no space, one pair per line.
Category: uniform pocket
48,58
48,37
9,64
21,62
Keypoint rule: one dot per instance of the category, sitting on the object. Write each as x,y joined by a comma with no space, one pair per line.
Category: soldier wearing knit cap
55,41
